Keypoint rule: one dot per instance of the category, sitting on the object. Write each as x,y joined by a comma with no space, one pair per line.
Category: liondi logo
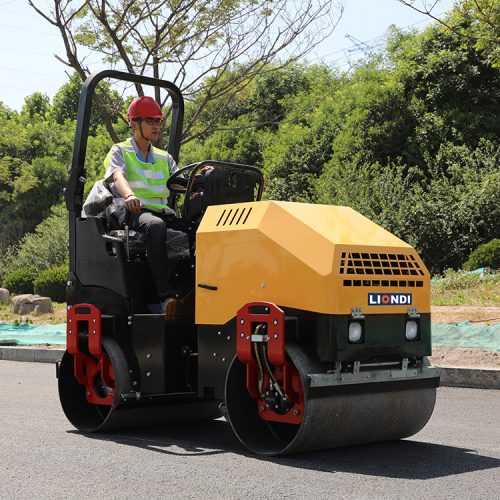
389,299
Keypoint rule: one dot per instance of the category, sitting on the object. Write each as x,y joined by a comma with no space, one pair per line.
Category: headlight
412,332
355,332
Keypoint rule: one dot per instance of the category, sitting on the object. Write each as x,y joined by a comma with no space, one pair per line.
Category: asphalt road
457,455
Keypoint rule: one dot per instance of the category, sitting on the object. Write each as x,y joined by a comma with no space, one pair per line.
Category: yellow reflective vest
147,180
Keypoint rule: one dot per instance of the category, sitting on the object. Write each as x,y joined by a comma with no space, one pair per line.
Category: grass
55,318
462,288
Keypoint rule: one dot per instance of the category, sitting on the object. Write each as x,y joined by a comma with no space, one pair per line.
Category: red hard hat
144,107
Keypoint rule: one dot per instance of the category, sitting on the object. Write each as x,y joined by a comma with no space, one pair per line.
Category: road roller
305,326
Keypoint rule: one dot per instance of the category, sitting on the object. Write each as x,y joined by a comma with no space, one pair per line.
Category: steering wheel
176,178
192,188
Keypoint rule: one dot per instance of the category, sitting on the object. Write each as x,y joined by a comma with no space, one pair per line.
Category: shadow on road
405,459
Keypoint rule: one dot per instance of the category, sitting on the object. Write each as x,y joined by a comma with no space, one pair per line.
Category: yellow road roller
306,326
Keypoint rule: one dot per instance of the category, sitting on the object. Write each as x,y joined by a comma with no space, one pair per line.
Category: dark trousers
154,227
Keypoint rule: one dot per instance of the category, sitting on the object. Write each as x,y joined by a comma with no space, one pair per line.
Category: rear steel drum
125,412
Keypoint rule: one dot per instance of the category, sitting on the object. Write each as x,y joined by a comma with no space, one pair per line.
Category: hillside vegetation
409,138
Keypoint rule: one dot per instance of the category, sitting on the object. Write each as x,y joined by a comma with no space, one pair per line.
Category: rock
31,304
4,296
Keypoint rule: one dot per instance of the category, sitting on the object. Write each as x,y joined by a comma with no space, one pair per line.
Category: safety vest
147,180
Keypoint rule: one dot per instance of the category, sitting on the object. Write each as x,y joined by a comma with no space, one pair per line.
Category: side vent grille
234,216
382,266
385,283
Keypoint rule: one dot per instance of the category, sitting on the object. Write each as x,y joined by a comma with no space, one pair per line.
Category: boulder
4,296
31,304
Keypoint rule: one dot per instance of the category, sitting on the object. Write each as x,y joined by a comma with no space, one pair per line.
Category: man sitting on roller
139,172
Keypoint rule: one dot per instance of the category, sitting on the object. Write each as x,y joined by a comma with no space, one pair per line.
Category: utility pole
360,46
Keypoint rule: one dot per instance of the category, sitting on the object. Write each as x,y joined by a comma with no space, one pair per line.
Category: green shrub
19,281
52,283
487,255
456,280
43,249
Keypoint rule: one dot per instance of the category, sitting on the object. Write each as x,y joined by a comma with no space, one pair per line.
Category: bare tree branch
211,49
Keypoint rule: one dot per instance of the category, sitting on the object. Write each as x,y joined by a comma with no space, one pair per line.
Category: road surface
457,455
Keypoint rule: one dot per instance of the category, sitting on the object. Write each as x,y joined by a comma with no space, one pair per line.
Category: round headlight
355,332
411,330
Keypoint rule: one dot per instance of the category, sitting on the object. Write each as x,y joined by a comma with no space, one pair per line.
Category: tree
66,101
476,20
211,49
37,104
44,248
35,155
443,215
288,95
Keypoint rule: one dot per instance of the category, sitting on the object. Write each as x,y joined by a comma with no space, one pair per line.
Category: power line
17,28
373,42
19,88
51,75
26,52
29,12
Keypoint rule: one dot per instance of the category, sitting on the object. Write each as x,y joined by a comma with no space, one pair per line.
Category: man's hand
205,169
133,204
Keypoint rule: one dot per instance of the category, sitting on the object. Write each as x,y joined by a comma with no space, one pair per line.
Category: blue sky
28,43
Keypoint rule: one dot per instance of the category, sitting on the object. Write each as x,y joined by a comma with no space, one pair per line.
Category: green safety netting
32,335
459,335
467,335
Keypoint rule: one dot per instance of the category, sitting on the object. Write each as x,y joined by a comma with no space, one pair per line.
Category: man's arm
132,203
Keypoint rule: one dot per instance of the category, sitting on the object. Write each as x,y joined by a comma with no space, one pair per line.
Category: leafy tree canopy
196,44
477,21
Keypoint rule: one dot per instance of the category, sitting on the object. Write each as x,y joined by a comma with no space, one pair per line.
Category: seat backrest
228,186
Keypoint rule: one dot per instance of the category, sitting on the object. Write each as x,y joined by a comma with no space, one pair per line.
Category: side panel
165,352
216,350
148,342
99,258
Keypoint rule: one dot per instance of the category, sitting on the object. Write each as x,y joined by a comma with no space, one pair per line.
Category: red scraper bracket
261,347
84,320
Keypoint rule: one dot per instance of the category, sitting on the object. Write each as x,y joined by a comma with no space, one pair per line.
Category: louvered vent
384,266
234,216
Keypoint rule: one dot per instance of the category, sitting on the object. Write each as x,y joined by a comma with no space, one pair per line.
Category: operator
139,173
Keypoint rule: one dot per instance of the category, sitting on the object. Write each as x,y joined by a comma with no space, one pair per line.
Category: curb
31,355
482,378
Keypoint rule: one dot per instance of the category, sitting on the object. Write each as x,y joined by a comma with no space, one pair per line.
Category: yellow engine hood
319,258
